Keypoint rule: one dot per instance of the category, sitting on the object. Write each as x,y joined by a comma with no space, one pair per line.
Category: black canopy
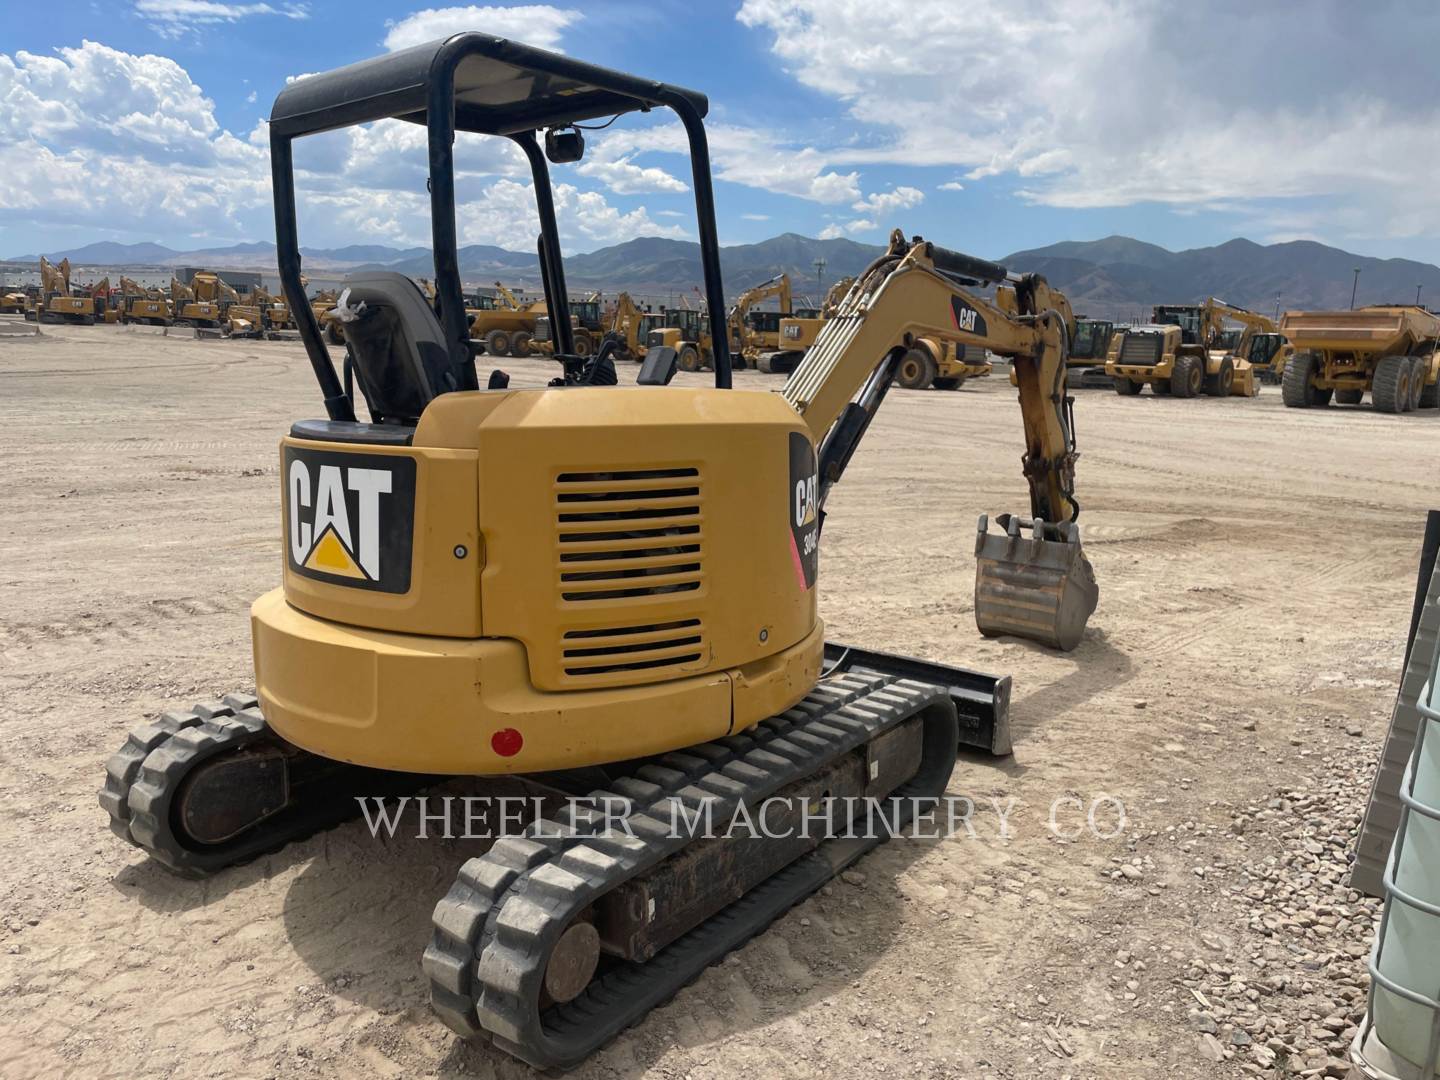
501,87
487,85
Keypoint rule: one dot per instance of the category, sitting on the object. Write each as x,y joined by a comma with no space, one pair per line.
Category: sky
989,128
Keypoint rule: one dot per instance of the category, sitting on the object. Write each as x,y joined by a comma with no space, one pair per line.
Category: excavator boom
1041,587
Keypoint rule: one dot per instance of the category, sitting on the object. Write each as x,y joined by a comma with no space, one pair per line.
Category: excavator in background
1257,342
610,592
632,327
57,301
142,305
1089,351
104,300
753,331
628,325
147,306
797,332
275,314
1386,350
1179,353
205,304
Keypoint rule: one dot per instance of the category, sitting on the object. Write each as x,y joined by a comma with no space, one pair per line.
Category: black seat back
397,347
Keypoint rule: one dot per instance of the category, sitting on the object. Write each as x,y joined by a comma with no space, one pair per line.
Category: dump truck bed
1380,330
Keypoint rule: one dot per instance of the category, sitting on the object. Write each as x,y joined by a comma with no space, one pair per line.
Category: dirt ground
1256,567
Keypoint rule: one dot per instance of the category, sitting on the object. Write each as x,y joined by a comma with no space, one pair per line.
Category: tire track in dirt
127,625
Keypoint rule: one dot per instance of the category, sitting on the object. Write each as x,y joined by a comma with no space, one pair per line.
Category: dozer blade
1245,384
1038,586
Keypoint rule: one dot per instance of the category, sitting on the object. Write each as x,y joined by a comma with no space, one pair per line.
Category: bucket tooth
1038,586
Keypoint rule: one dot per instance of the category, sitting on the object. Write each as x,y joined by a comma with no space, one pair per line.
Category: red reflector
507,742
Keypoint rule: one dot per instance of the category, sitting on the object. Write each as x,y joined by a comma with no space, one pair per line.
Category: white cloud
1104,114
832,232
756,217
129,145
951,185
505,214
250,97
888,202
540,25
747,156
173,18
606,162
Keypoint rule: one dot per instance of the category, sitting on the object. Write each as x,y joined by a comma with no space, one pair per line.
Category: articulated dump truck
1387,351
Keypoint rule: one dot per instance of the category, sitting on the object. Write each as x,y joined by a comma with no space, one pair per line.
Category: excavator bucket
1038,586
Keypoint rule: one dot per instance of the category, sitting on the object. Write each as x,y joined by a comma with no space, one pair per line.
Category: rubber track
123,767
494,930
143,777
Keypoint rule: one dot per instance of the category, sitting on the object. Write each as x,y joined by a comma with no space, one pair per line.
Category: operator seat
397,347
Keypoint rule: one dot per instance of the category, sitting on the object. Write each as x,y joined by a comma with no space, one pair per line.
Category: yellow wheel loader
611,591
16,302
1180,353
942,365
687,331
587,327
1388,351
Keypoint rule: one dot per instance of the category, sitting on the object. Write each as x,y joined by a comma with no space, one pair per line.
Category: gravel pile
1288,997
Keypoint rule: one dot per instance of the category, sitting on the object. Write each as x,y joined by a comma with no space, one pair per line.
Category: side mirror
659,367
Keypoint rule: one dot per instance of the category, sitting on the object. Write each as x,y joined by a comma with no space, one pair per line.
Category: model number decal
804,510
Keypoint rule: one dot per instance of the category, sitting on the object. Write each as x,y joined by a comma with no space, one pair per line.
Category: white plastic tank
1400,1037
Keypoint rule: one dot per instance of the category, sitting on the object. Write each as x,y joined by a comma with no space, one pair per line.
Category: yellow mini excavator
611,590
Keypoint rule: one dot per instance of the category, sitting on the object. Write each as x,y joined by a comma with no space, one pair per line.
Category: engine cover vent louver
626,538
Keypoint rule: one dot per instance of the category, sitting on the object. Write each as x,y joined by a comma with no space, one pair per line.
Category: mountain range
1116,277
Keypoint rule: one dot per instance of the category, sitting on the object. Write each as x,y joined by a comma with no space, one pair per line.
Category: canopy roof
501,87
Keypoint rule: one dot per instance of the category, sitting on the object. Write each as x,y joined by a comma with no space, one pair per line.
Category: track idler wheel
1039,587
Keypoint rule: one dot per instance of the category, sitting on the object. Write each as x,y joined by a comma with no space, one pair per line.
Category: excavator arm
507,296
778,286
1216,311
1040,586
834,295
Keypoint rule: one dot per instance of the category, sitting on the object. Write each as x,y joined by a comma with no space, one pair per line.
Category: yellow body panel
1349,345
430,704
797,332
444,594
609,573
